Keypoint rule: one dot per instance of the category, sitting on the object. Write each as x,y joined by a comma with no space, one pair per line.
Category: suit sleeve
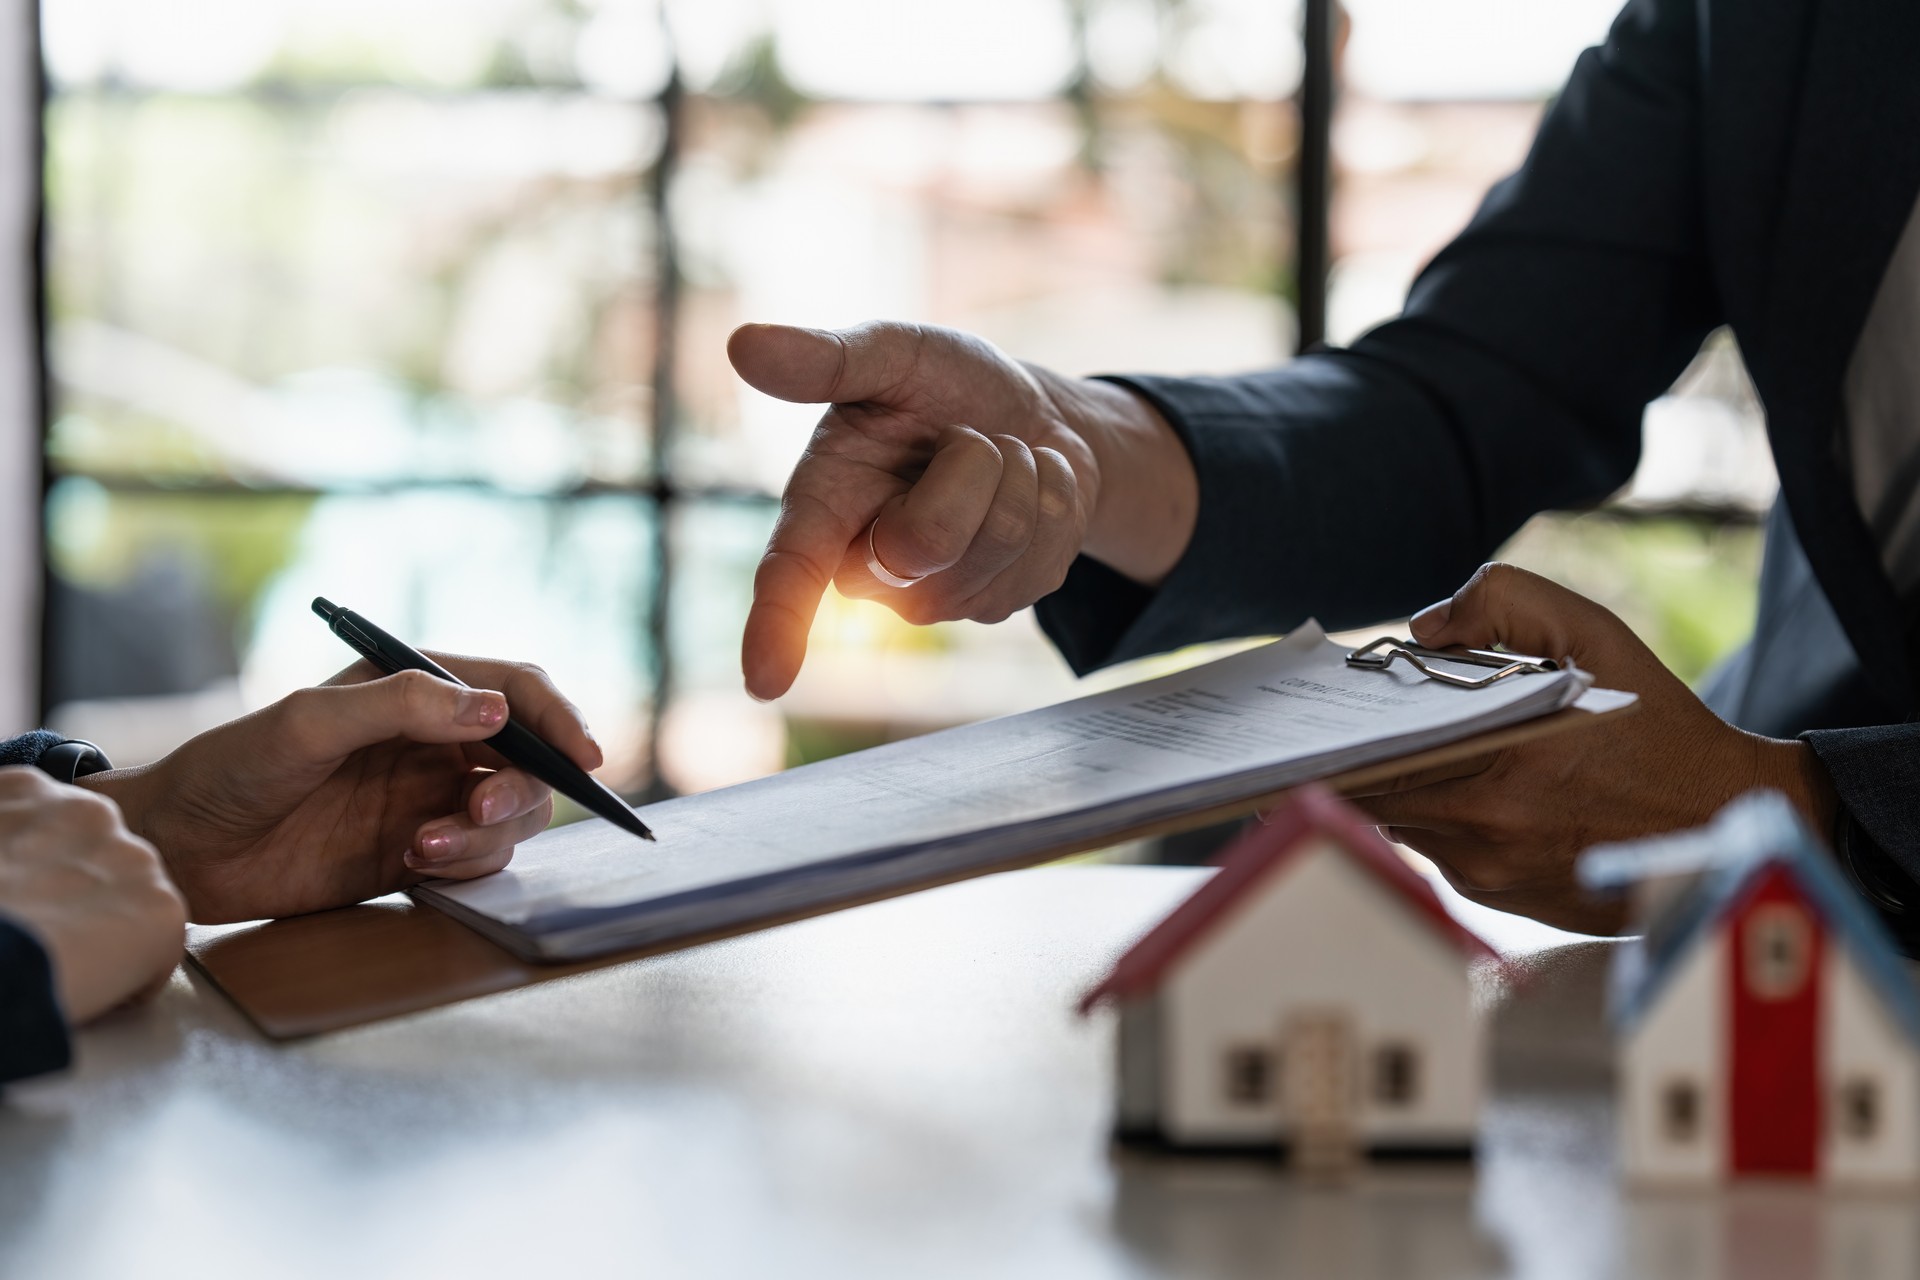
1873,769
1362,484
33,1034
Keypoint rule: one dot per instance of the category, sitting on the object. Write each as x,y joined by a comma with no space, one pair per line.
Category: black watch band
72,759
1876,875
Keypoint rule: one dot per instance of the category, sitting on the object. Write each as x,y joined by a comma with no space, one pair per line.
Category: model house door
1318,1077
1773,1107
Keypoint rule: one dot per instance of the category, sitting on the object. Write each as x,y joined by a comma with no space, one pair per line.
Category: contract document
980,796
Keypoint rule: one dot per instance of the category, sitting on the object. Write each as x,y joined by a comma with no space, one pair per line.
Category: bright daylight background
420,305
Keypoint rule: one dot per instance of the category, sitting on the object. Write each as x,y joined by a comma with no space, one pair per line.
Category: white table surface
901,1090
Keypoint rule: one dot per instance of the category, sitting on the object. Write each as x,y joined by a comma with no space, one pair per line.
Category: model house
1312,997
1766,1023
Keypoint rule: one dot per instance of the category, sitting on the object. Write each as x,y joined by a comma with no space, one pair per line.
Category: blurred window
422,304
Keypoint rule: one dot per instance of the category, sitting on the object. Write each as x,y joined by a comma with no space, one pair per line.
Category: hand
345,792
1506,829
93,893
979,476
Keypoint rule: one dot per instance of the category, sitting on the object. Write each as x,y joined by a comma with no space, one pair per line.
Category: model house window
1680,1111
1778,950
1250,1075
1859,1108
1396,1074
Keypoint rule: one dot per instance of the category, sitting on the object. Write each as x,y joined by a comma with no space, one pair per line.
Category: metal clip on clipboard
1380,654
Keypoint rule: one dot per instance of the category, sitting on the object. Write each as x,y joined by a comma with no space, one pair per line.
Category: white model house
1312,997
1766,1023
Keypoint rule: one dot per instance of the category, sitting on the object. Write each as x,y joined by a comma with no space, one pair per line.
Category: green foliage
239,542
1688,587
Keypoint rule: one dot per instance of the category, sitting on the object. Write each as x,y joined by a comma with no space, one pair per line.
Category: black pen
515,741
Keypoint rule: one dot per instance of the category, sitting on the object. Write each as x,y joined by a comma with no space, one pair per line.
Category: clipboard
333,970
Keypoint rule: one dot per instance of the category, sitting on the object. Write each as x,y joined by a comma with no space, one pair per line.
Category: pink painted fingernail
494,806
479,708
437,846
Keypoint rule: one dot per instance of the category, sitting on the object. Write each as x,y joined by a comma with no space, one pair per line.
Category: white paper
981,794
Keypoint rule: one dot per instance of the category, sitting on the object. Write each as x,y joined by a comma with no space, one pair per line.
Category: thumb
825,366
334,721
1502,605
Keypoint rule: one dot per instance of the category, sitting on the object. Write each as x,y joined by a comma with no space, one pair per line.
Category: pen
515,741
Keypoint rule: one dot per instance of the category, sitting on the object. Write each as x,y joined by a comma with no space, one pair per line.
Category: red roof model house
1312,997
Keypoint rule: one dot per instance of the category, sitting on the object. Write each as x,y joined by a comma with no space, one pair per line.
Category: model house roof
1251,862
1758,832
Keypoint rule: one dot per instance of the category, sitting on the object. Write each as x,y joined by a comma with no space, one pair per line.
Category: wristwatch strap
72,759
1876,875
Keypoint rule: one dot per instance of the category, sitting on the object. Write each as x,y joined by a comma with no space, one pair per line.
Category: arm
90,919
1153,512
1872,771
358,788
1357,485
1507,828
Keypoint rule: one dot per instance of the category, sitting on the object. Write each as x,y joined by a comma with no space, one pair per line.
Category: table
900,1090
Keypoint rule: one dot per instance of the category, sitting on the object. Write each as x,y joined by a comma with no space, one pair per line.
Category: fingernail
1431,619
479,708
496,805
437,846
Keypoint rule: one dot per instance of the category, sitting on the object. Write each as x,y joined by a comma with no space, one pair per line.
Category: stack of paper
979,796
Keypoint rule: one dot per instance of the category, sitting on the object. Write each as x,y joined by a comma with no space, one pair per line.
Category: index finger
532,698
535,701
809,540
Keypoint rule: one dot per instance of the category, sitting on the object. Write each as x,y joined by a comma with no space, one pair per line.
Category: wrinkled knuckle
1008,526
533,670
416,690
1496,578
22,782
1059,494
935,541
1012,448
978,444
778,562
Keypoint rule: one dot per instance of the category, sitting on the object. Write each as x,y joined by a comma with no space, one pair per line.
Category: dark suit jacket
1741,162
